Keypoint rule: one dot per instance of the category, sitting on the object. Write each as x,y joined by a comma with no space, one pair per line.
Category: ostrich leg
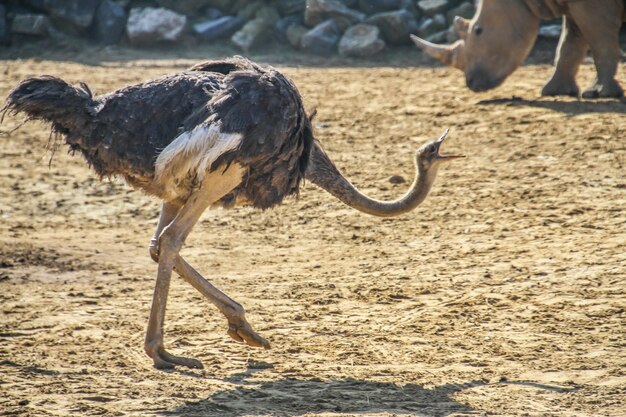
238,327
215,185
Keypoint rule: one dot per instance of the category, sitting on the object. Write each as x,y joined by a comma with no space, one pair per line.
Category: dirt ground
503,294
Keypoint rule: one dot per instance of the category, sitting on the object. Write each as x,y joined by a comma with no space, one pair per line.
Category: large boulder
322,39
148,26
251,34
256,30
269,15
395,26
290,7
431,26
361,41
109,22
282,26
250,10
318,11
31,24
294,35
219,28
74,16
433,7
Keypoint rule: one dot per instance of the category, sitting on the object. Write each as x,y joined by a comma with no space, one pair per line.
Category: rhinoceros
502,32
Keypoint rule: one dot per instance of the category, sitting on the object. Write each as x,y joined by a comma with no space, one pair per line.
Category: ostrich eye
478,30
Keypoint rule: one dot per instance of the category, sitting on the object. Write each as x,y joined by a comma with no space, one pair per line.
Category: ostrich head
428,157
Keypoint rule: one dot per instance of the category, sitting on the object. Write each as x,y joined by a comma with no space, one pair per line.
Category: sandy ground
503,294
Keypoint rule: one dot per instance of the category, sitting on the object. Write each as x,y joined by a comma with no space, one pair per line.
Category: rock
251,34
31,24
438,37
268,14
465,10
395,26
361,40
147,26
5,33
248,12
397,179
218,28
318,11
187,7
257,29
72,15
378,6
211,13
281,27
109,22
431,26
433,7
550,31
233,6
322,39
291,7
295,34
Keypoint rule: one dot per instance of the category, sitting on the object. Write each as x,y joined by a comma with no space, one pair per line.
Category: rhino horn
461,26
448,54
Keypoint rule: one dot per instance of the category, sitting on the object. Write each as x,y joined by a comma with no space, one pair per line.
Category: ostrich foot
164,360
240,330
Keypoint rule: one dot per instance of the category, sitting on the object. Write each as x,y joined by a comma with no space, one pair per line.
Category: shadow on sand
571,108
291,397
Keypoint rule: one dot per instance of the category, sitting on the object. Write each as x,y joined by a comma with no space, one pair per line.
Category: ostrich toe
240,330
165,360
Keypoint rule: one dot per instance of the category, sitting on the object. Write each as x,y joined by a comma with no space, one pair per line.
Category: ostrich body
223,133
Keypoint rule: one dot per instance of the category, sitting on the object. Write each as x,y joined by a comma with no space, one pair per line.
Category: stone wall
357,28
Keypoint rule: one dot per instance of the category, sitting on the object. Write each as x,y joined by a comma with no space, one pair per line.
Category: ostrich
223,133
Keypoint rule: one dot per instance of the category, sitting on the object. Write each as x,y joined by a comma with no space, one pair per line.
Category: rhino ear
461,26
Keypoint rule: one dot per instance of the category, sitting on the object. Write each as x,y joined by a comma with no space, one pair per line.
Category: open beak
442,157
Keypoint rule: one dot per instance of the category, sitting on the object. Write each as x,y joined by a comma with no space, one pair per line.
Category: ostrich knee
168,244
235,311
154,250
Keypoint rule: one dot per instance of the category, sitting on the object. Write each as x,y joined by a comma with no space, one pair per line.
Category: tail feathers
68,108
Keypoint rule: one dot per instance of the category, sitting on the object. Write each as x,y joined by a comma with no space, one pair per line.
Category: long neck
323,173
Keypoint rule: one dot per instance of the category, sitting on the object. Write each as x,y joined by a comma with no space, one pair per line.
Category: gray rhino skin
500,36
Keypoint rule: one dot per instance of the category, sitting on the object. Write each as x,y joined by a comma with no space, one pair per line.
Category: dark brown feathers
122,133
52,99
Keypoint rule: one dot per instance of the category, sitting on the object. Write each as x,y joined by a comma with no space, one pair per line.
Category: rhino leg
599,24
570,53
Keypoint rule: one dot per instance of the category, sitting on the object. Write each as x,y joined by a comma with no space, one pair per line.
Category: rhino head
491,46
